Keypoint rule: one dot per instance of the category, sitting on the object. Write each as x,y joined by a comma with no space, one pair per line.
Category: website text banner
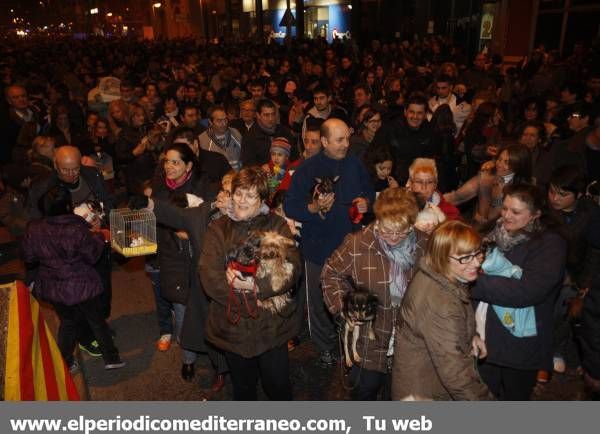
306,417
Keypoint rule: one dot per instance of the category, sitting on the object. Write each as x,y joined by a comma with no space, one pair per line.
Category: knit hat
281,144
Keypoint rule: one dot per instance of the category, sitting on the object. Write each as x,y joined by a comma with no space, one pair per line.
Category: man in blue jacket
326,219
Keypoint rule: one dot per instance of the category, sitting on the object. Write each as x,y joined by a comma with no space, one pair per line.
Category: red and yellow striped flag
35,369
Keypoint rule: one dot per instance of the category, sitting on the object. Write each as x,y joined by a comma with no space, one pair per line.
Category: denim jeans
163,306
187,357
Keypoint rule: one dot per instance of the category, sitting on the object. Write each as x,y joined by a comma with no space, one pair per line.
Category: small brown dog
359,309
273,253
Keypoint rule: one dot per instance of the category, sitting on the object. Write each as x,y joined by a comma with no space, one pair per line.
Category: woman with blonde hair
382,258
435,334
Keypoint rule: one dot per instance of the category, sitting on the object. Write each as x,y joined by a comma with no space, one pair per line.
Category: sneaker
115,365
559,364
74,367
164,343
93,349
543,376
326,359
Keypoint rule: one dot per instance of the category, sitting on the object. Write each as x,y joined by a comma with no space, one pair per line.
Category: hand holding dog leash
238,281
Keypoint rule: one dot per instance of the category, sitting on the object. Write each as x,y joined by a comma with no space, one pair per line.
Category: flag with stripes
35,369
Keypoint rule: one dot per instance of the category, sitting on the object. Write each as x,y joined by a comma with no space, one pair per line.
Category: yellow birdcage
133,232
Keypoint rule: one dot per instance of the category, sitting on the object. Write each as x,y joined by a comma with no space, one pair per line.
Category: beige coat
432,354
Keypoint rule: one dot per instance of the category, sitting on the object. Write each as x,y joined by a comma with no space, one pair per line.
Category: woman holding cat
435,333
253,338
381,258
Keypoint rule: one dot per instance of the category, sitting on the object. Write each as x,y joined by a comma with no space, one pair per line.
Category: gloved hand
138,202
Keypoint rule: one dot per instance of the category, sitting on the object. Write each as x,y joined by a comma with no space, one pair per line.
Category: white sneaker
559,364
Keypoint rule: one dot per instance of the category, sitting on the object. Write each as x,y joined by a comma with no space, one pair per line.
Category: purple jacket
66,250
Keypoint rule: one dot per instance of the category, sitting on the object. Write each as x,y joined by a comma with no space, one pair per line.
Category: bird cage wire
133,232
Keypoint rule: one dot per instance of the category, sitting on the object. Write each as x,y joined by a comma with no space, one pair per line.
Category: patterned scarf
402,258
173,184
228,146
505,241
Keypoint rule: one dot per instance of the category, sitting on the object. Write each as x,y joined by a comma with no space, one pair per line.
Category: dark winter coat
406,144
194,221
250,337
176,257
432,353
542,259
65,250
321,236
92,177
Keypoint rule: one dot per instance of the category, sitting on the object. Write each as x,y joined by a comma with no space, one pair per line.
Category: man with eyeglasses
85,184
573,150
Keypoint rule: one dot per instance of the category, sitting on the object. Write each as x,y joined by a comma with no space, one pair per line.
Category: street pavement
151,375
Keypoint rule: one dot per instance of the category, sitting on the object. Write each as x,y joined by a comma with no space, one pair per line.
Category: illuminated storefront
327,19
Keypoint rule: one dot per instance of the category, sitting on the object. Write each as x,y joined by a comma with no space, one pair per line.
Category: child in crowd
64,250
380,164
278,168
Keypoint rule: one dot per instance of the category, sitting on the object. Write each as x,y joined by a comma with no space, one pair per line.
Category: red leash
233,303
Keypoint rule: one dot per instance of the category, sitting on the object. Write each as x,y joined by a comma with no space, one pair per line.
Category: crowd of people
462,196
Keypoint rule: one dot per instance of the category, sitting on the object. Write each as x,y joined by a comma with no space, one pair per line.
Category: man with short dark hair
257,90
410,140
572,151
190,118
247,117
443,87
257,143
220,138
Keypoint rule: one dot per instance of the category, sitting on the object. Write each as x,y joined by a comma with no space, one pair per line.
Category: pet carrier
133,232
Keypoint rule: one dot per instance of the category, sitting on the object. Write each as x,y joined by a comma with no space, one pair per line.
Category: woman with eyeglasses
382,258
253,338
423,181
436,346
528,240
370,122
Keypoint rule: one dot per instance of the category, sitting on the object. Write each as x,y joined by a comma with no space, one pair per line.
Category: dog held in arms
359,309
323,186
265,255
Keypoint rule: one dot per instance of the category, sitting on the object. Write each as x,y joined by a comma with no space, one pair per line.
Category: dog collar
251,268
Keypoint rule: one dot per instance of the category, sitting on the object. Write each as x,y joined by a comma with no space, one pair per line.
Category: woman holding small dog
382,258
435,335
241,320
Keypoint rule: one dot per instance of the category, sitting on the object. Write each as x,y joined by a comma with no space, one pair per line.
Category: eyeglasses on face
250,197
67,171
467,259
423,182
392,234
